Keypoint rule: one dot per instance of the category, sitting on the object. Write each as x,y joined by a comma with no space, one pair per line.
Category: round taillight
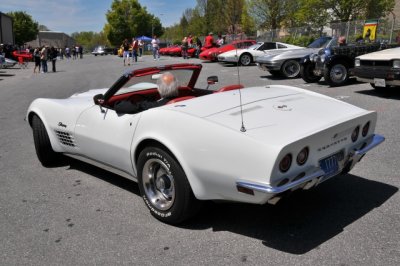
285,163
365,129
354,135
302,156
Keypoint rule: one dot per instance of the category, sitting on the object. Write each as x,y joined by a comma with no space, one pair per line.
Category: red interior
149,95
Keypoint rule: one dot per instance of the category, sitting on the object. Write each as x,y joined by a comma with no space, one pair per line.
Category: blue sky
89,15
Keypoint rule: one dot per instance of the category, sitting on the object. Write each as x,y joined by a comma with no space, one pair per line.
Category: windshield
254,46
183,77
320,42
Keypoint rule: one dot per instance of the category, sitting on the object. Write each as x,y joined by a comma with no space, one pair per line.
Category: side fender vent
65,138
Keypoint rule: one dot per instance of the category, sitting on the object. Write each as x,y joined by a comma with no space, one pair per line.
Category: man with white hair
167,88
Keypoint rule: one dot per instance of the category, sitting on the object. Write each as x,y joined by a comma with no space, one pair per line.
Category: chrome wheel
245,60
291,69
158,184
338,74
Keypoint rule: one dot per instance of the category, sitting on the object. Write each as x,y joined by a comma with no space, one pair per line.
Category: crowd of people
41,56
132,49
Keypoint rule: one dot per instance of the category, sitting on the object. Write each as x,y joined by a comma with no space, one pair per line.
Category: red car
23,54
212,53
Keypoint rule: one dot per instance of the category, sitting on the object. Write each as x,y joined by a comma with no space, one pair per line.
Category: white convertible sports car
238,144
247,56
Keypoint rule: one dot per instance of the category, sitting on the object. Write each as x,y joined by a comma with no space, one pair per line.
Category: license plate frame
379,82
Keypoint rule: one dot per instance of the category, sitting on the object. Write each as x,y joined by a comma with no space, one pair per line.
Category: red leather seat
180,99
230,88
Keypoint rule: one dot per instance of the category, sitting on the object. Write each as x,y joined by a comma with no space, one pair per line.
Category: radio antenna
242,128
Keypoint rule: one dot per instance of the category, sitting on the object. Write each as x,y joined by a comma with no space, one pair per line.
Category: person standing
190,40
141,45
125,55
36,56
185,47
198,46
53,58
73,53
43,59
209,41
135,47
67,52
220,40
155,43
80,49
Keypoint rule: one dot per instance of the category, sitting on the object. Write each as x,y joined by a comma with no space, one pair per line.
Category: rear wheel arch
169,196
157,144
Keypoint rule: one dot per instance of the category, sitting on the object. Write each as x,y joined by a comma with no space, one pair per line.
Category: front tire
164,187
44,151
245,59
337,74
307,74
290,69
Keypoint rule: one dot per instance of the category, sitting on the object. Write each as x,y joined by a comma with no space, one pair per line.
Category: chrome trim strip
376,140
276,190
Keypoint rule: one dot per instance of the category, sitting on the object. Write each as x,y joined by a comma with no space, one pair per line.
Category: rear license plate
379,82
330,165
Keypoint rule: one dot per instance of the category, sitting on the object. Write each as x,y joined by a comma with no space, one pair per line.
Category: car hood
293,53
271,111
387,54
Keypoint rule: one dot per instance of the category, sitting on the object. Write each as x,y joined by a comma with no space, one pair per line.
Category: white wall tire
164,187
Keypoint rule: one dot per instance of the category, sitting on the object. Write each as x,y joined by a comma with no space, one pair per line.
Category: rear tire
44,151
337,74
164,187
245,59
307,74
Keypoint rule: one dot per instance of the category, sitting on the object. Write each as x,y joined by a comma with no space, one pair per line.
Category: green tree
345,10
90,39
270,14
127,19
25,28
311,13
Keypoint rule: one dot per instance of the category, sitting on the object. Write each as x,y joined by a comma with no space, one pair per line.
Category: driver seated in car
167,88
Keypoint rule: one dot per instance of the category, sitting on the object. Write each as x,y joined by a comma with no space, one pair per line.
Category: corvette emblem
60,124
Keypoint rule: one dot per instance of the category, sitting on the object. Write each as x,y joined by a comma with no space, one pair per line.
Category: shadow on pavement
297,224
388,93
113,179
302,221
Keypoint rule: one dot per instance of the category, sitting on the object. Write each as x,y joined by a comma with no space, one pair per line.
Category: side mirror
98,99
212,80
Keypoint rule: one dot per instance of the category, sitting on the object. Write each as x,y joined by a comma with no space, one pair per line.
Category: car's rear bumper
368,74
312,178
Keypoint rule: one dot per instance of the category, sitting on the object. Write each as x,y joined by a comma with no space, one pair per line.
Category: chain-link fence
387,31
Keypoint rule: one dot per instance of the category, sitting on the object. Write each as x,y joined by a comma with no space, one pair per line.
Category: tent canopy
144,38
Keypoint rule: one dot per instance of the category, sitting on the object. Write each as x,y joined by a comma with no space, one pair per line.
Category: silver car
5,62
287,63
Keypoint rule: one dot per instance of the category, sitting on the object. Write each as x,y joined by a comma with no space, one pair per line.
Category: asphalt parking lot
77,214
